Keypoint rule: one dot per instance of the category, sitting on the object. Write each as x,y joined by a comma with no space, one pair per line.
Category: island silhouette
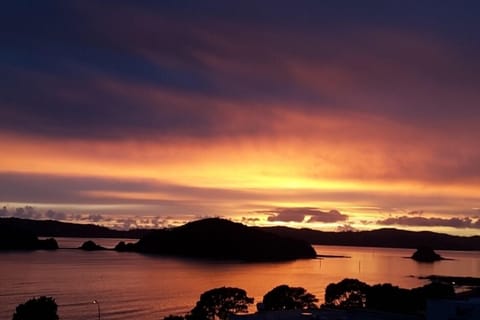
426,254
91,246
17,238
216,238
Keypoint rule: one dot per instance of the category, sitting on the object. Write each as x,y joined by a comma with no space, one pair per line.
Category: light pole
98,307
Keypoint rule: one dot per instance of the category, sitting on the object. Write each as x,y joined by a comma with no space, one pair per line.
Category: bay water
136,286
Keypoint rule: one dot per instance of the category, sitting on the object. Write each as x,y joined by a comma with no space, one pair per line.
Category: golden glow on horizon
216,166
276,171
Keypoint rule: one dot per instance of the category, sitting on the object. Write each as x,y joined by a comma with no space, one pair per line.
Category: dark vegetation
42,308
221,239
284,297
16,238
219,303
347,294
354,294
426,254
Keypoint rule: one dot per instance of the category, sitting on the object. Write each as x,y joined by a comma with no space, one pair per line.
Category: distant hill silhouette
52,228
222,239
388,238
16,238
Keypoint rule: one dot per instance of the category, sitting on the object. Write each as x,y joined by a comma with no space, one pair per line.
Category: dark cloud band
457,222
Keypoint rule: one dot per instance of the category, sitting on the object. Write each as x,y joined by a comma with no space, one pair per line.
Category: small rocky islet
426,254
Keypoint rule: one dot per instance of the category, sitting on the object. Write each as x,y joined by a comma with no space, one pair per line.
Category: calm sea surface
136,286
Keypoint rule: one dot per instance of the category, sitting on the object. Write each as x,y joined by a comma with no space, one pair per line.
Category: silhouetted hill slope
52,228
222,239
391,238
15,238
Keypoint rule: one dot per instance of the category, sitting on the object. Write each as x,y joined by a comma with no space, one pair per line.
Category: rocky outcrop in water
426,254
91,246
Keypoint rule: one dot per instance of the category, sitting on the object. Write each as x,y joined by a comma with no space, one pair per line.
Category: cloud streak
307,215
457,222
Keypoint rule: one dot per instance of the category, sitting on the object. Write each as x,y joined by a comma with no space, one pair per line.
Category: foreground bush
219,303
42,308
284,297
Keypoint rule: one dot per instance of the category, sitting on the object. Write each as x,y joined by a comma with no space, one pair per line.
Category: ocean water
137,286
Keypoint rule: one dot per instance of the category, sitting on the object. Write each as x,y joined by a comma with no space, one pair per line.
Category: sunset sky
332,115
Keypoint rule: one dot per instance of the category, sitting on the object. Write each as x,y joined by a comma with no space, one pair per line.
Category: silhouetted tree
42,308
431,291
219,303
352,293
437,290
284,297
391,298
348,293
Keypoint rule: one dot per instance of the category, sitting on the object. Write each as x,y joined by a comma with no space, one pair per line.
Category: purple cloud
346,228
330,216
300,214
55,215
126,224
416,212
29,212
459,223
95,217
